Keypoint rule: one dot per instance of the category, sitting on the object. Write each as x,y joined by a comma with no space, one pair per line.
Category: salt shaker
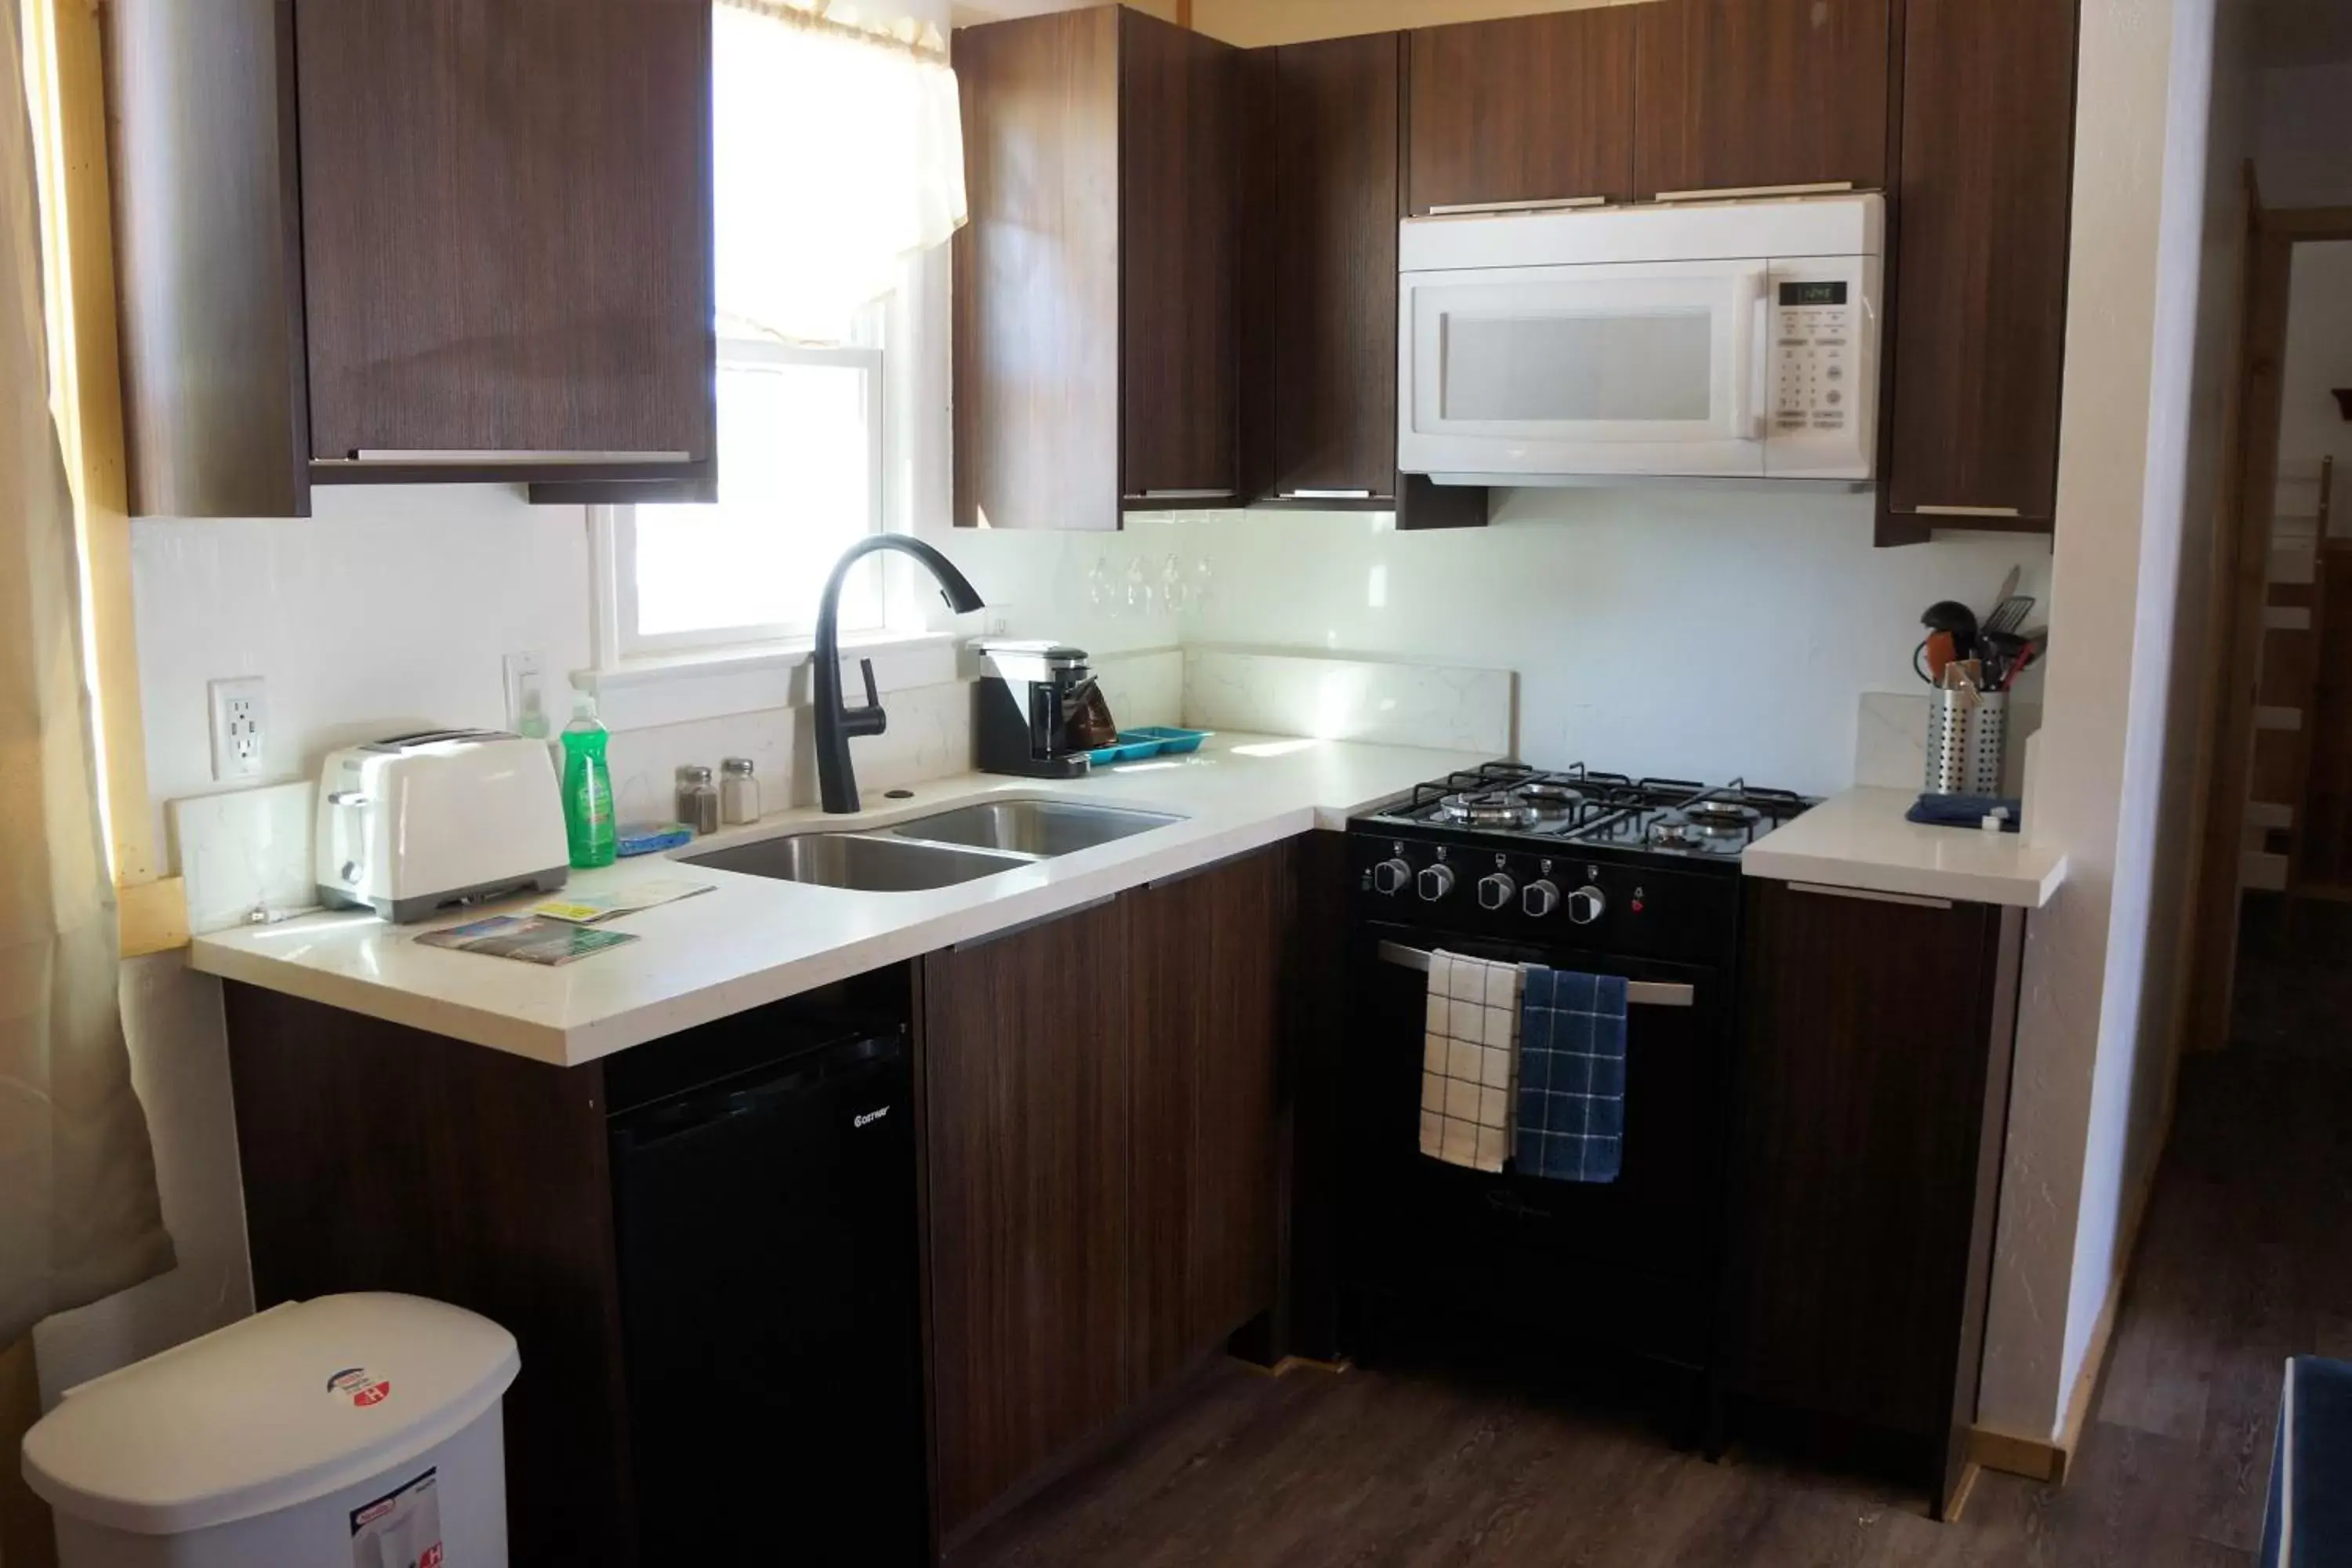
738,793
698,799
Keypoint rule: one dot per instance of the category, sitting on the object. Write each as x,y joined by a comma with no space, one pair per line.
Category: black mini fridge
763,1179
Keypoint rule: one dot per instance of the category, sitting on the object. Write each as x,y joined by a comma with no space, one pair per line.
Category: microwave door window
1581,370
1652,367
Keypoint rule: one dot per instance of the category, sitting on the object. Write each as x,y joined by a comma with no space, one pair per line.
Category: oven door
1637,1260
1648,368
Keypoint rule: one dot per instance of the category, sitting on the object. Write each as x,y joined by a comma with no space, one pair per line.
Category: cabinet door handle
1756,193
1177,495
968,943
1326,495
1556,203
1872,896
431,457
1967,512
1219,864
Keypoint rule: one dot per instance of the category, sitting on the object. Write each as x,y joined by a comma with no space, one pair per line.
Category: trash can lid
291,1405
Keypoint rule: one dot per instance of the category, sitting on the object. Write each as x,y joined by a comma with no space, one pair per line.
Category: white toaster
412,824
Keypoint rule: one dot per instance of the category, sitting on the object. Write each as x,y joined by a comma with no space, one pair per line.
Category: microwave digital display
1813,293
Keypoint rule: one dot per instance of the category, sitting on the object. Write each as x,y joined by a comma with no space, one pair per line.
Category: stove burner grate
1550,798
1721,819
1488,808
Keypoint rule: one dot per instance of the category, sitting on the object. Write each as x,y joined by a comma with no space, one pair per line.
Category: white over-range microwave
1732,341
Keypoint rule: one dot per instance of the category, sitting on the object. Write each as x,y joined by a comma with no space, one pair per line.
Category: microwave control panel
1822,374
1814,379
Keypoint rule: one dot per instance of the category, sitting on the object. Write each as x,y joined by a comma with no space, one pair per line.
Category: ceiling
2303,32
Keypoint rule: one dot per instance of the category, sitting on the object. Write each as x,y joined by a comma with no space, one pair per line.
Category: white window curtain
840,154
80,1217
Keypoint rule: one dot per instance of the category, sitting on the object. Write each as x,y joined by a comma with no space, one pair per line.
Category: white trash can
345,1432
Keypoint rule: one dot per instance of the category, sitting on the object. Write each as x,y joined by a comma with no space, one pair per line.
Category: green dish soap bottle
588,787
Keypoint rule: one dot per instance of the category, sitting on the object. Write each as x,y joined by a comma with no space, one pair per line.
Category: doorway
2274,878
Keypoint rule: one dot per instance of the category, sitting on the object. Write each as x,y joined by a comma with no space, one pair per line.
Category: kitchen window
801,443
837,173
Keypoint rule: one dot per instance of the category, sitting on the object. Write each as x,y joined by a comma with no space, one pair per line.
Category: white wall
2306,132
391,607
2318,359
1698,635
2145,345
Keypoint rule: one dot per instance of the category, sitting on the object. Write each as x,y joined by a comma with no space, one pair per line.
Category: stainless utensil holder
1967,732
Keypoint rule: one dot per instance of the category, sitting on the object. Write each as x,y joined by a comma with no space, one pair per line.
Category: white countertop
753,940
1860,839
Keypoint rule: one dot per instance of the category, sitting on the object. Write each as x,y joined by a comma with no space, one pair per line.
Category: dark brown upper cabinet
1323,182
1529,109
1738,94
1976,290
1329,239
1096,282
382,240
506,229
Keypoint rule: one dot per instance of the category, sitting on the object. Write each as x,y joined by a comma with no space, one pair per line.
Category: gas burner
1550,798
1675,833
1488,808
1721,819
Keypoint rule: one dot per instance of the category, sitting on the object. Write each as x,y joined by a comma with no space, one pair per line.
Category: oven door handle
1638,993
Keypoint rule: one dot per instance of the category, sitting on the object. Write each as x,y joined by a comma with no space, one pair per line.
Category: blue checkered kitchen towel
1571,1121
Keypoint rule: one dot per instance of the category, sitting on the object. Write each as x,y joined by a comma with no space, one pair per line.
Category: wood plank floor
2243,1259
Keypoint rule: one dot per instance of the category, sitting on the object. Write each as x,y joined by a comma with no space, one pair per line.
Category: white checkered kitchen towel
1469,1061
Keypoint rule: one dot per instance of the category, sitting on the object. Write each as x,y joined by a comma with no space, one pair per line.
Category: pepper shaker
738,793
698,799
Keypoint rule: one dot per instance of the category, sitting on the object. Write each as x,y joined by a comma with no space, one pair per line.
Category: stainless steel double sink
958,846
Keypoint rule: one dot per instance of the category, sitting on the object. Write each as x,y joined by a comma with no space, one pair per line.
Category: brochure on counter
526,938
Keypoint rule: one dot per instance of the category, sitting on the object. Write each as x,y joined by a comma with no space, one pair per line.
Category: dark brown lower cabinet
1101,1129
1877,1038
1208,955
377,1157
1102,1117
1026,1073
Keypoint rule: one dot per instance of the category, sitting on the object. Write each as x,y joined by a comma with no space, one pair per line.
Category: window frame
619,642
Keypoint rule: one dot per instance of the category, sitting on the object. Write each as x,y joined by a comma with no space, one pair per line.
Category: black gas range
1577,869
1640,865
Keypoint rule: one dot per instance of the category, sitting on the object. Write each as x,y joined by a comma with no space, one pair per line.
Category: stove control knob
1390,877
1496,891
1436,881
1539,898
1585,904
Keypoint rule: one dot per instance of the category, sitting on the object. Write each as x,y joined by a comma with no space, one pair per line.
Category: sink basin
875,863
1033,827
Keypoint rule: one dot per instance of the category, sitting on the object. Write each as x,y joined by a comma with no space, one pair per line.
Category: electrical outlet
526,696
240,725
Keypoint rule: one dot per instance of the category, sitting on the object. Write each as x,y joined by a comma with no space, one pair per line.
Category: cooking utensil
1950,616
1940,655
2010,613
2001,652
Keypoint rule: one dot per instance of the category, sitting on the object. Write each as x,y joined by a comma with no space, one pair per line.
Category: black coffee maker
1036,710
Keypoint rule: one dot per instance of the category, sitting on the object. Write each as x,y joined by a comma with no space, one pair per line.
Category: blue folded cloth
1966,810
1571,1122
2309,1520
